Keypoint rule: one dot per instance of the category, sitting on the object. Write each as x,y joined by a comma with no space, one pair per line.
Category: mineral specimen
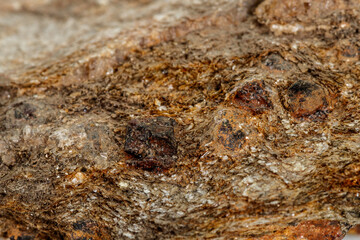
151,119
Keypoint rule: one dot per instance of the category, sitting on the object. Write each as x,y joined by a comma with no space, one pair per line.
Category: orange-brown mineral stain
253,97
16,233
308,230
229,136
355,230
351,178
231,131
87,229
306,99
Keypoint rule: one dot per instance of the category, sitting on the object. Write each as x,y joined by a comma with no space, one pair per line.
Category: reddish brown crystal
252,96
307,99
152,142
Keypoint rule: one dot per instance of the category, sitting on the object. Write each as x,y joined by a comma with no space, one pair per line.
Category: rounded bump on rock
253,97
306,99
151,143
276,63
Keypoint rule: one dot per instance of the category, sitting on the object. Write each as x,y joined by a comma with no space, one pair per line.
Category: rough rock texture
151,119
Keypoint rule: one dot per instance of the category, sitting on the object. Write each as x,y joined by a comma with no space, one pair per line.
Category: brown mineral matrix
181,119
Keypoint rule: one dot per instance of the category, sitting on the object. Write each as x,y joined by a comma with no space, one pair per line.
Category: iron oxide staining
17,232
253,97
151,142
88,229
313,229
231,139
231,132
233,127
305,99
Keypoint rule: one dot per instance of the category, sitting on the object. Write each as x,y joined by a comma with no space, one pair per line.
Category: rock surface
150,119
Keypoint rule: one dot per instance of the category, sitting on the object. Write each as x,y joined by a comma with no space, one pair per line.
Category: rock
153,119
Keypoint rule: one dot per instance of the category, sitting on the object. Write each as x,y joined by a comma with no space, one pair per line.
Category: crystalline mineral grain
151,119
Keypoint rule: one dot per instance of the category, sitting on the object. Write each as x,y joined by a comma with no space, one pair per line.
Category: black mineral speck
24,111
229,138
25,237
302,87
